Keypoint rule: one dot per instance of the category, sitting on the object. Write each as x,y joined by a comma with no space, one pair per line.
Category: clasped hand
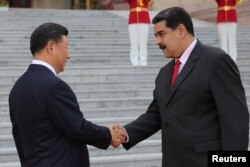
119,135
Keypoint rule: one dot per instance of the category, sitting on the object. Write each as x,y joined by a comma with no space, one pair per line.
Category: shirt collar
43,63
186,54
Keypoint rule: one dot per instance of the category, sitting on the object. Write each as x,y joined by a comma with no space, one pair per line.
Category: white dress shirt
186,54
43,63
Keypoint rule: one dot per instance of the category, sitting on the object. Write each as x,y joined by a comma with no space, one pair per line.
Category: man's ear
49,47
182,30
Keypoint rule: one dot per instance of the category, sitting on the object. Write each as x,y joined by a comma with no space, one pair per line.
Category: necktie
175,73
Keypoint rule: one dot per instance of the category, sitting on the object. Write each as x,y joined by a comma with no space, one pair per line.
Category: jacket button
166,124
168,105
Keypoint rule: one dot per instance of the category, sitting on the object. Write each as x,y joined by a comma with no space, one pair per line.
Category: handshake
119,135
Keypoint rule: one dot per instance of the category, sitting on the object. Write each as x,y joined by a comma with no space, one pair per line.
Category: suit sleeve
145,125
229,95
16,136
65,113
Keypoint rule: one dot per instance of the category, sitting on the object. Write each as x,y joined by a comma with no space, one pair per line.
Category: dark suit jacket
205,110
48,127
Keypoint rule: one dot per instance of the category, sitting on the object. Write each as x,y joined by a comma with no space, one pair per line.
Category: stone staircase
108,88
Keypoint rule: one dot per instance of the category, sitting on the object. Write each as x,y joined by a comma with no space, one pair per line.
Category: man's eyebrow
159,32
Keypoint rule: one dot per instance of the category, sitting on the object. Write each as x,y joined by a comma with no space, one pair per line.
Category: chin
166,55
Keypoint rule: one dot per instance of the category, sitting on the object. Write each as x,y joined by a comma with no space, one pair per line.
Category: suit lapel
187,69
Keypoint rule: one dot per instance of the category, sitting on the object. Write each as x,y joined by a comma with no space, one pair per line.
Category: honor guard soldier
138,21
227,25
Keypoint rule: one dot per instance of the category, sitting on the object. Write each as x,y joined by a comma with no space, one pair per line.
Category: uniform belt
226,8
138,9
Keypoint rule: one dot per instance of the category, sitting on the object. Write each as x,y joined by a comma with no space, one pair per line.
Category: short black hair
175,16
44,33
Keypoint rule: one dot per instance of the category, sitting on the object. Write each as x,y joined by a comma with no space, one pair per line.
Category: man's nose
158,41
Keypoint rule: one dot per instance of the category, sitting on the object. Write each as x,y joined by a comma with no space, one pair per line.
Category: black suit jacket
48,127
205,110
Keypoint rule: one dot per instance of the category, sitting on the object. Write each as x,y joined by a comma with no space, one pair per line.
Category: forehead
160,26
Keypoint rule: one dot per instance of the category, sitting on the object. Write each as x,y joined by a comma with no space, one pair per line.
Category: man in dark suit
48,127
204,109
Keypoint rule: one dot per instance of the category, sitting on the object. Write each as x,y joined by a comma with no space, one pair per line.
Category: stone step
89,60
95,78
75,37
7,139
110,92
87,85
79,36
105,53
147,77
6,127
94,37
33,20
10,164
98,85
122,54
107,93
4,116
97,39
89,70
24,22
88,46
147,146
132,160
104,93
245,68
110,112
85,61
96,112
115,27
104,61
103,102
9,153
120,108
104,70
243,64
78,46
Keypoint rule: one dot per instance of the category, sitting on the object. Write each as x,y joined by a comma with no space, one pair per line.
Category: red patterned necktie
175,73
